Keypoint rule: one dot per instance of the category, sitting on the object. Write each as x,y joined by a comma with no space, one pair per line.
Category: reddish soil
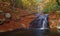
12,25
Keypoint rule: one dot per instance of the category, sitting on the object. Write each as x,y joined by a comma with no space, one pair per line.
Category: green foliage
18,3
50,7
58,2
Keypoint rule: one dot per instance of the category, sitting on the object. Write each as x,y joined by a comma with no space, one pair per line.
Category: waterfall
44,25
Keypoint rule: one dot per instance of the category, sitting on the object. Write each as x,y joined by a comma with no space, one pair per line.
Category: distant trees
52,6
32,5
